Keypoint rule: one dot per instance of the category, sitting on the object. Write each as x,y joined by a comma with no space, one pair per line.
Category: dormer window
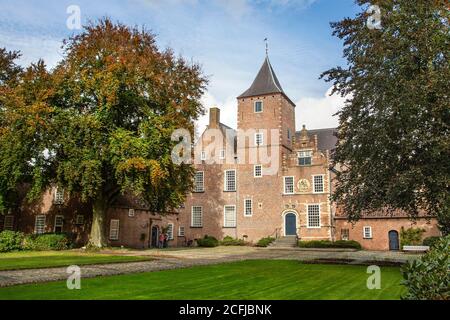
304,158
258,106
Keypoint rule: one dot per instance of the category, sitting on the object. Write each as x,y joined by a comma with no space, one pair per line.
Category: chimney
214,117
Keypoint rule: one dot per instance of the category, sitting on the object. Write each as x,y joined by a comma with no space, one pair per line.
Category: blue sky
224,36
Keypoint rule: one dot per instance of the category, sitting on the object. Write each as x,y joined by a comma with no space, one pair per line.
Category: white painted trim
283,222
225,180
307,216
323,183
192,217
262,106
173,227
235,216
203,181
254,171
44,217
256,139
181,234
364,232
284,184
245,208
62,224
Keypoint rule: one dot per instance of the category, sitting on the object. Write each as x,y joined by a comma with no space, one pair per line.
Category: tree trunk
97,237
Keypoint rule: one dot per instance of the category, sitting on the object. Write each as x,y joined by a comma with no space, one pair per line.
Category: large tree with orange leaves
101,124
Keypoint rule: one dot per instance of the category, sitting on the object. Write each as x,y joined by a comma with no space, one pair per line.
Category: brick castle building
262,179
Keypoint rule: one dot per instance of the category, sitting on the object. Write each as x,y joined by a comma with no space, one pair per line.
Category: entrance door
290,225
154,238
393,240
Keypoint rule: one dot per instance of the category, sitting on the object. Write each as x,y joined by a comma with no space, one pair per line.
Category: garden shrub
47,242
11,241
230,241
430,241
428,278
208,241
411,237
264,242
350,244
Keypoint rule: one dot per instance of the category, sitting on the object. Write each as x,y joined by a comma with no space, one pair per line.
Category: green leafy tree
428,278
394,144
109,111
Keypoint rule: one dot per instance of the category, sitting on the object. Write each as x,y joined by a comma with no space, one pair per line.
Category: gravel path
175,259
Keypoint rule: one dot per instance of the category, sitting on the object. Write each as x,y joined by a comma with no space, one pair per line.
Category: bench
416,248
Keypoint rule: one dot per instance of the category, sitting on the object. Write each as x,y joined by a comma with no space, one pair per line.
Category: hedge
351,244
208,241
264,242
11,241
428,278
46,242
431,241
230,241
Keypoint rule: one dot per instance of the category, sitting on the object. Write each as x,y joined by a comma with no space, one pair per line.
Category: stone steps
284,242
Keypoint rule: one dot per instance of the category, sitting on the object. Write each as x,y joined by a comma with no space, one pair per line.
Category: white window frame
225,181
369,228
222,154
262,106
78,218
229,223
58,225
259,136
203,156
114,229
181,231
314,183
301,155
308,224
346,236
8,223
39,228
202,182
131,212
170,228
246,207
58,196
293,184
200,225
260,171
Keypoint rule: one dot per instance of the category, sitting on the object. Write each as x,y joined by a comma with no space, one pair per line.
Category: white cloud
34,48
318,113
315,113
228,111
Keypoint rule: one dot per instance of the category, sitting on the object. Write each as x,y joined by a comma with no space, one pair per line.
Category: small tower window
258,106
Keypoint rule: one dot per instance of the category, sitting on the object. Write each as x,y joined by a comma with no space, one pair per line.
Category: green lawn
46,259
263,279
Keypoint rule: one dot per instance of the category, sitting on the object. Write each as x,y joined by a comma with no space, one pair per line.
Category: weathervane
267,46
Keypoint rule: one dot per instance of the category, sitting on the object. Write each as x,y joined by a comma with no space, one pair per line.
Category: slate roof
326,138
266,82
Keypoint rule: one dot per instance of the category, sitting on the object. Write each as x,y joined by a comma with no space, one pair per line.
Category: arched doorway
290,224
393,240
154,237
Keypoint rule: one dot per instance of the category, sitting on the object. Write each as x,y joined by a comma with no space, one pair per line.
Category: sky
226,37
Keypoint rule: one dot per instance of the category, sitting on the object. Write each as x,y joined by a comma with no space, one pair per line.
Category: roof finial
267,47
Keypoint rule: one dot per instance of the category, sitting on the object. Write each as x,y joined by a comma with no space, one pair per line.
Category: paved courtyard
187,257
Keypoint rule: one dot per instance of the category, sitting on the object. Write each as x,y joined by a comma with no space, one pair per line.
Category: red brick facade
290,198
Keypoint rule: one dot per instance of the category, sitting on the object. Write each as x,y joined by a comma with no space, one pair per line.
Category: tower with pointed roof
265,107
